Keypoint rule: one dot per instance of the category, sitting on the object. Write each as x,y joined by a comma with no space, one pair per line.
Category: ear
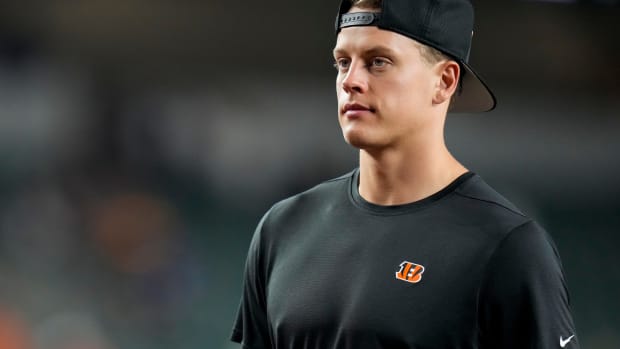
448,72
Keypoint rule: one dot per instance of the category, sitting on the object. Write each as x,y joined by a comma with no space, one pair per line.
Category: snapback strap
359,19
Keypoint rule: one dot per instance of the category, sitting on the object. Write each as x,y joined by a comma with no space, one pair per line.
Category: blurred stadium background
141,141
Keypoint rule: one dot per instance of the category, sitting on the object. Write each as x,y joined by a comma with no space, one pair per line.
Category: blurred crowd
125,213
100,248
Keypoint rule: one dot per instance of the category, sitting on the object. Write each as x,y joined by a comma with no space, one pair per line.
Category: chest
382,285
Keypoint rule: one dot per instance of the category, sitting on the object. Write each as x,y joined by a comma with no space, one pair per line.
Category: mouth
354,108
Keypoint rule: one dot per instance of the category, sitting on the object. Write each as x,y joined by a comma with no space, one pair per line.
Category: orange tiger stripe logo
410,272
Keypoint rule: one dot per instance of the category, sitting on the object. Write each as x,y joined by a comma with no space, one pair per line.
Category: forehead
364,38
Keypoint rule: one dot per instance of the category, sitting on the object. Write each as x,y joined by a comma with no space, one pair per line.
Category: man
411,250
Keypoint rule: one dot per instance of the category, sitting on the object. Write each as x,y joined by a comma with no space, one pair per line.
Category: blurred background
141,141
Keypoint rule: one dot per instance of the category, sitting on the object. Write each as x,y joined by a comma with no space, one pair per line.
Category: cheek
407,99
415,89
400,94
338,87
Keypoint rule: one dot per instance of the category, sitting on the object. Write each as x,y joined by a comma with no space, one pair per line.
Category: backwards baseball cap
446,25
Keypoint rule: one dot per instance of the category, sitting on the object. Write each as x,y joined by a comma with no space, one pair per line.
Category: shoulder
482,212
476,203
319,197
477,189
516,236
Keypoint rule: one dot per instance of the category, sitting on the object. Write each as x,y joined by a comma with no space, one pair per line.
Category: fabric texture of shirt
462,268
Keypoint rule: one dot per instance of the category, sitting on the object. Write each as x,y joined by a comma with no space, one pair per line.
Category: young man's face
385,88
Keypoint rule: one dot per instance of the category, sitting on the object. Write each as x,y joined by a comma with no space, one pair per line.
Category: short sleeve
523,300
251,326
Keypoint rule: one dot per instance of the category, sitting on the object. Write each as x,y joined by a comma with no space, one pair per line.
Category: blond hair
368,4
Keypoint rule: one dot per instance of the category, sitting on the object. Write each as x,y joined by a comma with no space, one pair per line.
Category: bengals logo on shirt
410,272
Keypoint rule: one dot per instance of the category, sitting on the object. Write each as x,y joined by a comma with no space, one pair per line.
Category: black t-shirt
462,268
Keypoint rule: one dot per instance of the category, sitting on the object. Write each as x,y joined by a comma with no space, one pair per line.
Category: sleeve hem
237,337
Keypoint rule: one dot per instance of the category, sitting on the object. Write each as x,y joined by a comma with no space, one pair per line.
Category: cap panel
408,17
451,25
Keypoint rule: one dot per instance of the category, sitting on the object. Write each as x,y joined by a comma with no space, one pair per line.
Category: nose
355,79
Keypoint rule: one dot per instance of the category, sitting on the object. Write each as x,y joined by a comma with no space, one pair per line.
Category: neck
399,176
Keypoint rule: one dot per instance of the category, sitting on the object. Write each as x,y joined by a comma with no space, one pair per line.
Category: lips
354,107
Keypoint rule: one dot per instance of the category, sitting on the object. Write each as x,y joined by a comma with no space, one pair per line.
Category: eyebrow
375,50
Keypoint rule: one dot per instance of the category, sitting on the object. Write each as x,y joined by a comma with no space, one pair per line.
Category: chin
361,140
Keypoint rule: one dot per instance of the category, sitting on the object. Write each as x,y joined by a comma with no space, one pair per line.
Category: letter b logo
410,272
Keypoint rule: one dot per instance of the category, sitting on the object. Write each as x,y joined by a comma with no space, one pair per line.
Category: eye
342,64
379,62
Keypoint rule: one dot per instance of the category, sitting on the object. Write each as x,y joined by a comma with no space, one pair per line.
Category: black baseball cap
446,25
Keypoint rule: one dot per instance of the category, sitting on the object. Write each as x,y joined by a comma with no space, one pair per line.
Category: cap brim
475,96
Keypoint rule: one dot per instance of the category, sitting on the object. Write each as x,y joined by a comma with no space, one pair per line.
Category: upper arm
523,300
251,327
